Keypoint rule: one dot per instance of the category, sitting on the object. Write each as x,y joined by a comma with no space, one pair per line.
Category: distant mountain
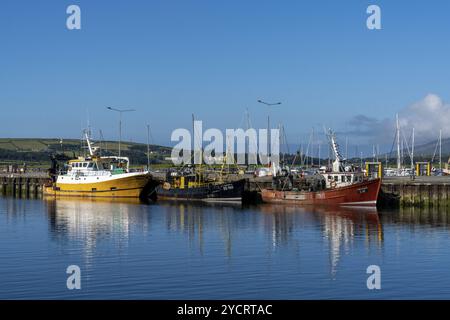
429,148
424,152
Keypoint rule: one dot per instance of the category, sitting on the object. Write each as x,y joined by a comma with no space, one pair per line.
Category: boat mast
319,153
337,164
148,147
361,160
378,151
412,150
399,163
312,148
91,152
440,149
346,148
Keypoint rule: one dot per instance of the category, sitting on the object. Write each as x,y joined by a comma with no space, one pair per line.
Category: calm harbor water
130,250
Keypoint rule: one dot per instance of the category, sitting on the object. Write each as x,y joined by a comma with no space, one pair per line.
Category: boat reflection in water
282,225
127,249
340,226
93,220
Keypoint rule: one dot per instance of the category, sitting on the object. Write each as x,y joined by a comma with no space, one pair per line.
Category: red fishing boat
341,185
363,193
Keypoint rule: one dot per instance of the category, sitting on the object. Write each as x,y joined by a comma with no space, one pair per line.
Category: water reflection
340,226
91,221
343,226
193,220
281,250
424,217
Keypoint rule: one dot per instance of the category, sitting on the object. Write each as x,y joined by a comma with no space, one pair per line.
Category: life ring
166,185
333,184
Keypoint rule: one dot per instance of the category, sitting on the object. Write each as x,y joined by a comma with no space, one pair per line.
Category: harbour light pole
120,111
268,125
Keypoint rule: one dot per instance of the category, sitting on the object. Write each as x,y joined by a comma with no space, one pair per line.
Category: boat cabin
342,179
90,165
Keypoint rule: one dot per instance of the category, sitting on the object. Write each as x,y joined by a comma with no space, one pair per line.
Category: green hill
39,150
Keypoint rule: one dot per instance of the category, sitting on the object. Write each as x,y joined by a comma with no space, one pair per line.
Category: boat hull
119,187
359,194
223,192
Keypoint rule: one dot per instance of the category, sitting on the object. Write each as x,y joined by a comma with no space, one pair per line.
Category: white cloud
427,116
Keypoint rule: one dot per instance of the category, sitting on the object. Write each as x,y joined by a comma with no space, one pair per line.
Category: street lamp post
268,125
120,111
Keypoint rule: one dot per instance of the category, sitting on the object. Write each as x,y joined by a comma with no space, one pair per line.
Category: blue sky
169,59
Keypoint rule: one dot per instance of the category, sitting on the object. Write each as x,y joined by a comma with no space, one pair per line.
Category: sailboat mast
319,154
440,149
268,139
378,151
412,150
312,147
148,147
399,162
346,148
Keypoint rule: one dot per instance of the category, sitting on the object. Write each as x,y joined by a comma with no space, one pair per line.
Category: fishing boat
193,183
343,185
98,176
182,185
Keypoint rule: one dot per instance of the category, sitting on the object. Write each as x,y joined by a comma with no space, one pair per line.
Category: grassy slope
41,145
38,150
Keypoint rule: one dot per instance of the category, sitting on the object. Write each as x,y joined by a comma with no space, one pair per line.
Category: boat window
85,164
349,178
342,178
336,178
329,177
91,165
